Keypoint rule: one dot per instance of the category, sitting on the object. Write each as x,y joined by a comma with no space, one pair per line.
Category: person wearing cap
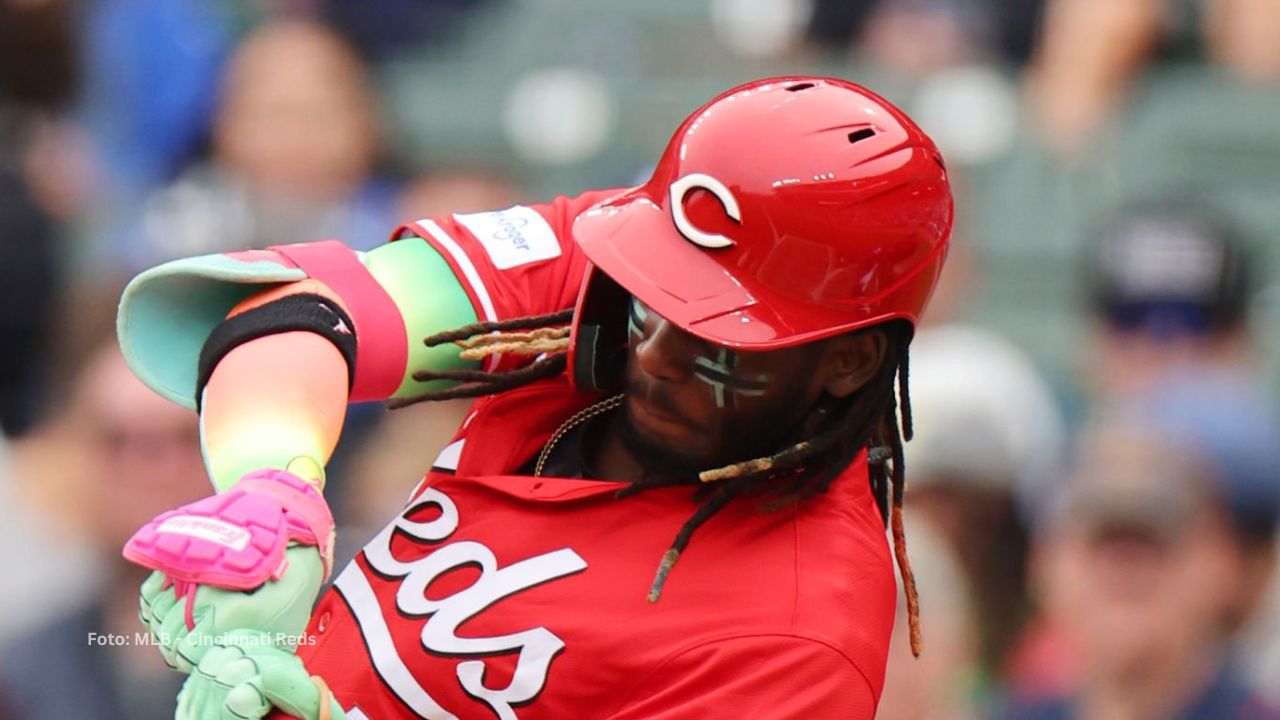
670,500
1141,567
1226,419
1168,284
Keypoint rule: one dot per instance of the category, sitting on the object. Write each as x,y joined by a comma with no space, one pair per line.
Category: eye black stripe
733,381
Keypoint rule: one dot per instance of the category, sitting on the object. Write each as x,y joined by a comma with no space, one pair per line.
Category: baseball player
669,501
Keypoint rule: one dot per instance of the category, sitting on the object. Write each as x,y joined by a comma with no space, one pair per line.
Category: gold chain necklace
575,420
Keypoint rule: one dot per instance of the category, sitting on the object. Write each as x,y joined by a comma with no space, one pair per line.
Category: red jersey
523,597
496,594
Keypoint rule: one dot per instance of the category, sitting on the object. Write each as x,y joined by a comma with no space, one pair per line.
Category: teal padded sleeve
167,312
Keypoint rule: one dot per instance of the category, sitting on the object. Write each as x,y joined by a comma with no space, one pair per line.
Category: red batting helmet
783,211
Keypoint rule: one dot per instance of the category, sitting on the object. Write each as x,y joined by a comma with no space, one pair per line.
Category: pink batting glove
237,539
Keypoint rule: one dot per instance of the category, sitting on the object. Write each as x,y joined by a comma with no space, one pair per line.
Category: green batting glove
278,608
246,675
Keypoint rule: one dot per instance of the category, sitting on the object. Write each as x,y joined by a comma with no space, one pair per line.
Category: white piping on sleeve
470,273
464,262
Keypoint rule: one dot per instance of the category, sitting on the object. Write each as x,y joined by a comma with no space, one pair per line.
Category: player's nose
665,353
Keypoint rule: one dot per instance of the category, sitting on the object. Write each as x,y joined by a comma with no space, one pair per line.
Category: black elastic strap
304,311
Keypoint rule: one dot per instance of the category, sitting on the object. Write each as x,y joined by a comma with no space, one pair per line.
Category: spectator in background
1235,426
143,114
1169,286
921,36
28,271
294,145
30,93
988,429
125,454
151,71
1141,567
1091,50
37,586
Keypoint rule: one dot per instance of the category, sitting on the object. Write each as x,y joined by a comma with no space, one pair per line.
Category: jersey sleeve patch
513,237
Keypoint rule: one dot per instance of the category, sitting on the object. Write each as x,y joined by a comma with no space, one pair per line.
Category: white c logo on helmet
681,187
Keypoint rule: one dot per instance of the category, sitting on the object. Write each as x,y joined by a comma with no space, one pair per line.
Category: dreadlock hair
868,420
479,340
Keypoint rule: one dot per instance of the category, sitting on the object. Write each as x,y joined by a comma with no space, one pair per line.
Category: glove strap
307,514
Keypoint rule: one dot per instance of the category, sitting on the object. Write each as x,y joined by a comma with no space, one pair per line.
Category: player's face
692,405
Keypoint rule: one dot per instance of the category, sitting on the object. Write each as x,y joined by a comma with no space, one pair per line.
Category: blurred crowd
1095,478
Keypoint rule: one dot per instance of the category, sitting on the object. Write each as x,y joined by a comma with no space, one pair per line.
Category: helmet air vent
799,86
859,135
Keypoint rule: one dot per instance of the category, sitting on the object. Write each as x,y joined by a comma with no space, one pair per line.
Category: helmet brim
631,239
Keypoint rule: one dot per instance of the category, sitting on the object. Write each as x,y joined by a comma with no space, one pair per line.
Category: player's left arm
251,334
769,677
189,328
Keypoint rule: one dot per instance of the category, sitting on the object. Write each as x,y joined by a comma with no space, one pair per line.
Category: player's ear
851,360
